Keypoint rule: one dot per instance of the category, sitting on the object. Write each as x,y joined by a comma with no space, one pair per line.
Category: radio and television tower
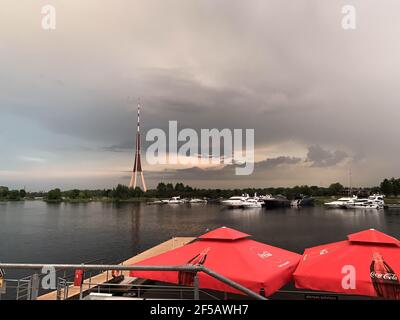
137,167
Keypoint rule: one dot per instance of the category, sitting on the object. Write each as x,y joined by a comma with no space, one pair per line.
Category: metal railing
21,287
140,291
63,285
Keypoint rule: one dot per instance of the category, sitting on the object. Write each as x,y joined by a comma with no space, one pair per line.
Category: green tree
14,195
137,192
54,195
3,192
179,187
73,194
22,193
106,193
161,189
335,188
386,187
83,195
169,190
395,186
120,192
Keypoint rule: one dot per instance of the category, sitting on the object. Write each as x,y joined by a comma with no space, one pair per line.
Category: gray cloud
227,172
320,157
273,162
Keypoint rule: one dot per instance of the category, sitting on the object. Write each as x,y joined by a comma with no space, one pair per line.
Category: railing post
58,289
35,283
196,287
28,293
66,290
81,290
90,283
17,289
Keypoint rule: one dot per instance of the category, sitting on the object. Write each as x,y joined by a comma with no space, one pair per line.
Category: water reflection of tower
135,228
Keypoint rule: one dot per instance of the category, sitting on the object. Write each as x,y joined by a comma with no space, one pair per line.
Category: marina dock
74,291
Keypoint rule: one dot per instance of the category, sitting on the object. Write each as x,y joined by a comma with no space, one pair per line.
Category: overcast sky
320,98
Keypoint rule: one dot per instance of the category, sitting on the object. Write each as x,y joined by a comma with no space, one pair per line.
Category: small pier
74,291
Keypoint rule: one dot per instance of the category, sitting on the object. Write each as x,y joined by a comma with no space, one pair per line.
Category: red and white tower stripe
137,167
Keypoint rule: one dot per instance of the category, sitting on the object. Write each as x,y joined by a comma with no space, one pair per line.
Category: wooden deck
101,278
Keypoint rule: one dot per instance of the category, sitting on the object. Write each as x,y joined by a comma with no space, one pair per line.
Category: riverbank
11,200
319,201
130,200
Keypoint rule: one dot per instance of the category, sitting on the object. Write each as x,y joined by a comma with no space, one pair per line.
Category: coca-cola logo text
384,276
264,254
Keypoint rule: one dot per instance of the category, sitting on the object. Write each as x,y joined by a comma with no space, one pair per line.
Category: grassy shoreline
83,200
105,200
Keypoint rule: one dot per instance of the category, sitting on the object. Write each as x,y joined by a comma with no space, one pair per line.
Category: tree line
168,190
389,187
11,195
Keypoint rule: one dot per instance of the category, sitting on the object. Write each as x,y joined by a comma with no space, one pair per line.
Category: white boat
341,202
235,201
363,205
156,202
379,199
253,203
372,202
198,201
266,197
174,200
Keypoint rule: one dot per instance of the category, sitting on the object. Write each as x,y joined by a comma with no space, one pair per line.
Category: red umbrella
368,263
230,253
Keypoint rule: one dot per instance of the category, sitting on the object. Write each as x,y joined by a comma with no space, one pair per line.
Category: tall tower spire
137,167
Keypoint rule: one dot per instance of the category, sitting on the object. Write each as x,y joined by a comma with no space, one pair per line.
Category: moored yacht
235,201
255,202
362,204
373,202
340,203
378,198
197,201
278,201
174,200
302,201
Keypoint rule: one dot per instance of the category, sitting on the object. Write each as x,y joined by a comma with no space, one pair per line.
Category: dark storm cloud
226,172
320,157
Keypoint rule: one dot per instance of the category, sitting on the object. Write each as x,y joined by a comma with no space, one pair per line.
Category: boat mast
350,188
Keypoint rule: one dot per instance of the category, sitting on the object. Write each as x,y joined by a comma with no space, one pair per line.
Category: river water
37,232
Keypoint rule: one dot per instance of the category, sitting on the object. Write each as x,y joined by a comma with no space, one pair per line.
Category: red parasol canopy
230,253
368,263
